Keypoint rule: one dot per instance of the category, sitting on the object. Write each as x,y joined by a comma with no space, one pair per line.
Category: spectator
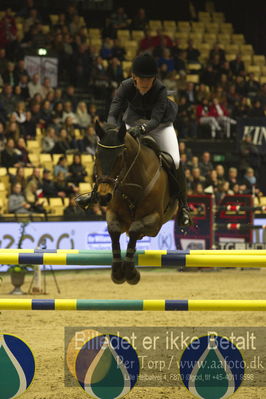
233,177
198,189
64,188
23,152
90,140
118,20
49,140
9,156
115,72
249,179
17,202
106,51
77,171
147,43
7,100
220,173
34,85
63,144
205,118
20,113
28,128
205,164
31,195
221,114
185,122
139,20
257,111
57,114
249,154
237,65
193,53
252,86
82,116
19,177
9,76
197,177
48,186
118,50
46,113
68,112
61,166
23,83
212,180
35,177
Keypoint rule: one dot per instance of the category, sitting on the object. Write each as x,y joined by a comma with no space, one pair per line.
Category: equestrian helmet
144,66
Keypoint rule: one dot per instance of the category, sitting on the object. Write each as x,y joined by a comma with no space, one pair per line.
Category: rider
146,99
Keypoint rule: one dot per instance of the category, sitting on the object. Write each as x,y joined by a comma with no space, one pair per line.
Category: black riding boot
183,216
84,201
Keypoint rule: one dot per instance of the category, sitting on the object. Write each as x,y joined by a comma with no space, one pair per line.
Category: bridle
120,179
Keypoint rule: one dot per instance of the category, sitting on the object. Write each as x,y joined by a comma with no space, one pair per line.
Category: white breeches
165,137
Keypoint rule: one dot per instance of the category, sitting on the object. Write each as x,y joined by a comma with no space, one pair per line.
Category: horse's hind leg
149,225
118,273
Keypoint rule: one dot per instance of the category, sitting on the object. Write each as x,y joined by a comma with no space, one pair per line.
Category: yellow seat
126,66
224,38
54,18
254,69
28,172
198,27
263,70
212,27
183,26
137,35
86,159
56,205
210,38
192,78
3,171
46,161
155,24
84,188
33,146
259,60
204,16
226,27
95,42
123,34
232,48
34,159
69,158
246,49
94,33
169,25
45,29
238,38
196,36
262,80
218,16
182,36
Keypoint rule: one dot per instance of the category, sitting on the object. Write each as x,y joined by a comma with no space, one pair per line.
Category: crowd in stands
209,106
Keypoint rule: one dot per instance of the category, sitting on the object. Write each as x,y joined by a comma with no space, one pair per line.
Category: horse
134,187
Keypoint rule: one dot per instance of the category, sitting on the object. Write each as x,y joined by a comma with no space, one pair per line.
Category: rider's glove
137,131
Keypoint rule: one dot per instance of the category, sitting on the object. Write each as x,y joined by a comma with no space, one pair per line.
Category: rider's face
143,84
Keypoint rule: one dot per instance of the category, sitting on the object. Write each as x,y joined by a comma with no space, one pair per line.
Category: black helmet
144,66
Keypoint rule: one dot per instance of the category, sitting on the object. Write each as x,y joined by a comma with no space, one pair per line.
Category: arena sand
44,330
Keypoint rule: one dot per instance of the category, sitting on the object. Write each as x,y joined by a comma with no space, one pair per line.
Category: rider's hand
137,131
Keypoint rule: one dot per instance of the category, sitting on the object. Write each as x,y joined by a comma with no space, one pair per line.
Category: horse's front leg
149,225
115,230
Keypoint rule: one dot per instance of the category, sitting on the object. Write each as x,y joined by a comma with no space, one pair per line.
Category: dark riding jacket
130,106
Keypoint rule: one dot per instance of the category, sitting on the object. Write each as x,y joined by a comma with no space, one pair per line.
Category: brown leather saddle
166,161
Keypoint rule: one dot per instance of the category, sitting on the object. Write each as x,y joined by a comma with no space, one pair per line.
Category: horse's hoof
133,277
118,273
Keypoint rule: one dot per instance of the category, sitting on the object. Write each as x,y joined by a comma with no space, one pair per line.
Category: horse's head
109,159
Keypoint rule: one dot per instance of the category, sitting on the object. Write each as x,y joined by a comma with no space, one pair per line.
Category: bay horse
134,187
